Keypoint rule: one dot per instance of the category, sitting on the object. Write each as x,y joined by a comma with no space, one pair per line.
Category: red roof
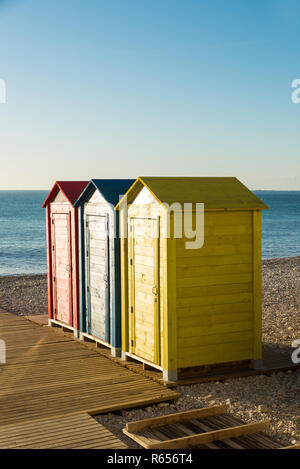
71,189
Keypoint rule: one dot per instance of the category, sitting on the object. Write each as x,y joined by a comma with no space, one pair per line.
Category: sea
23,231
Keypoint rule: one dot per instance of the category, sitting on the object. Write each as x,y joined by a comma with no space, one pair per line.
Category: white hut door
97,276
144,289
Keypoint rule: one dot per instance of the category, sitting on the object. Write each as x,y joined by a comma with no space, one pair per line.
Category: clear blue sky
121,88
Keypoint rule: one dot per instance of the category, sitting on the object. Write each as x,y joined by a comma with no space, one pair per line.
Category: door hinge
53,279
131,262
53,247
132,343
131,309
88,289
54,310
87,253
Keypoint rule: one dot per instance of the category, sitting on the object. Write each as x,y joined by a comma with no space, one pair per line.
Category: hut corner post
81,271
76,283
116,310
257,291
124,282
169,355
49,263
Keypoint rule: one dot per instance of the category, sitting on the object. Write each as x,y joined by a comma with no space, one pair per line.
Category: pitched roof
71,189
110,189
214,192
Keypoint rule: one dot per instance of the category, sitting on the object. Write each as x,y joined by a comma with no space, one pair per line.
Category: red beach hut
62,253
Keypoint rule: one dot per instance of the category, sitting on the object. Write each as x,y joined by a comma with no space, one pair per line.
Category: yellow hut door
144,319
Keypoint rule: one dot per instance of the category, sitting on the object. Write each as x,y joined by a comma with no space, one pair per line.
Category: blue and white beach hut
100,282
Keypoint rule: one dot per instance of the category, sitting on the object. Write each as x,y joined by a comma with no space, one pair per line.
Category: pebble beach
275,398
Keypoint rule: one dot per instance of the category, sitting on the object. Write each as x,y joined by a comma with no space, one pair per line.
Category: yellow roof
214,192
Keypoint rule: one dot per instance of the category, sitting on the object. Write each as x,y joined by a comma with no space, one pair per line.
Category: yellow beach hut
191,304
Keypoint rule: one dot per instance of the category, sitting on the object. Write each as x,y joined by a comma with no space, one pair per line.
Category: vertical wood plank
70,266
87,277
132,289
49,262
107,292
257,286
81,249
75,266
156,264
53,279
116,311
169,312
124,279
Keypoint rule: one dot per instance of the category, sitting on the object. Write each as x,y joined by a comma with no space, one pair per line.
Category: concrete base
123,356
170,375
257,364
116,351
76,334
80,336
49,322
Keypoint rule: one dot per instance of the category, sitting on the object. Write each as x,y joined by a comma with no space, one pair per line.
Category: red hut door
62,267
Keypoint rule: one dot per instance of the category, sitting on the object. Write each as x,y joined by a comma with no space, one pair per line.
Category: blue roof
110,189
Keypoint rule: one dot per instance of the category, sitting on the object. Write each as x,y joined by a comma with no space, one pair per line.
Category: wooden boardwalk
79,431
49,374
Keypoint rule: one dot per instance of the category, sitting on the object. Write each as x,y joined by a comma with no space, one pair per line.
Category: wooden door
144,301
97,277
62,267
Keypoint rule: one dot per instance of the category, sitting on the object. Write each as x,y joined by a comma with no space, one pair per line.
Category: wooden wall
215,317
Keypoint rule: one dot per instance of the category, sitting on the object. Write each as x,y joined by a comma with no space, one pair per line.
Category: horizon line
45,190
